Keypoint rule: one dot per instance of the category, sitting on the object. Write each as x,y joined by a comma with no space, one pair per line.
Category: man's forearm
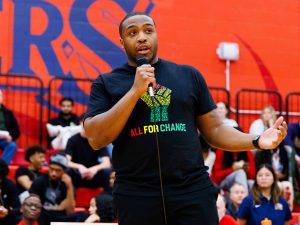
228,138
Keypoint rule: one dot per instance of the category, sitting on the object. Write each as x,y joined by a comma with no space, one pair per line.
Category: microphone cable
159,164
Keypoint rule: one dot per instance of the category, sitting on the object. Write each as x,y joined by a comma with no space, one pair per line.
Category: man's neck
29,221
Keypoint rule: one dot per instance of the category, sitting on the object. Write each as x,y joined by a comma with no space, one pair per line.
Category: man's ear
122,42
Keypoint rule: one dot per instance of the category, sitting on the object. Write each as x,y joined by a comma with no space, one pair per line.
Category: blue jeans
9,150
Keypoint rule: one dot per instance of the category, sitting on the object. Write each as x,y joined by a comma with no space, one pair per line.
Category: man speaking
160,175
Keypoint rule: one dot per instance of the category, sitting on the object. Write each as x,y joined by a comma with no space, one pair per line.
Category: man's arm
68,203
229,138
24,181
104,128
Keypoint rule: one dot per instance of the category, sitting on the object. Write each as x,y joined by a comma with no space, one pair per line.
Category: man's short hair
31,150
66,99
131,15
3,169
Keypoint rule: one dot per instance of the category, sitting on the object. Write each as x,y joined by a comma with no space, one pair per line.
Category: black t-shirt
180,96
9,196
81,151
60,120
51,193
24,171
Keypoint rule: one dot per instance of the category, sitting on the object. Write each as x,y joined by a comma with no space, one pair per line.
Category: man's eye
149,31
132,33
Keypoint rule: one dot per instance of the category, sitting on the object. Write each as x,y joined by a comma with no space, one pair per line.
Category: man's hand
82,170
92,171
273,136
3,212
8,138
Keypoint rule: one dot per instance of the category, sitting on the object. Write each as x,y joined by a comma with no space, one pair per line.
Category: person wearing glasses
31,210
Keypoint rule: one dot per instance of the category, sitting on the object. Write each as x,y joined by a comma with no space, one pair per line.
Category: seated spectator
9,132
233,167
101,209
223,218
222,111
112,178
268,118
31,209
56,192
9,201
278,158
35,155
265,201
61,128
292,140
209,156
237,193
87,167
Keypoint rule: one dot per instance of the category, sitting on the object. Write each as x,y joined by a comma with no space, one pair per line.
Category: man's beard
65,114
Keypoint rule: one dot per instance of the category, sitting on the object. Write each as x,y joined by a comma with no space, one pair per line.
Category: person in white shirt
222,111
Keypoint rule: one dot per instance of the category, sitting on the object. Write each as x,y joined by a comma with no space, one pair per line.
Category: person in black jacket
9,200
9,132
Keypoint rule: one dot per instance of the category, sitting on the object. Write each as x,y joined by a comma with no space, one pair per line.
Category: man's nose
142,37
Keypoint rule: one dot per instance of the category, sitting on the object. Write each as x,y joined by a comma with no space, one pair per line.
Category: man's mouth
143,50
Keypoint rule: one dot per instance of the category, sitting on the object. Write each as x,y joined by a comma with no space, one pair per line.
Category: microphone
141,60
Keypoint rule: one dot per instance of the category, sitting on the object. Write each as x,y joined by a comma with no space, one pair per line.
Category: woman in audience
265,201
233,167
222,111
237,193
278,158
101,209
268,118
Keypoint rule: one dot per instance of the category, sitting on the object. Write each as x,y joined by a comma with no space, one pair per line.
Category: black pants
194,208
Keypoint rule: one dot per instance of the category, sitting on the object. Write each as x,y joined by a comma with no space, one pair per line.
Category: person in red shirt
233,167
31,209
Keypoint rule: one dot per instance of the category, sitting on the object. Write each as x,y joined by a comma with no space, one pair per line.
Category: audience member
237,193
265,201
35,155
222,111
9,132
223,218
87,167
61,128
101,209
56,192
268,118
209,156
233,167
278,158
9,201
31,209
112,178
292,140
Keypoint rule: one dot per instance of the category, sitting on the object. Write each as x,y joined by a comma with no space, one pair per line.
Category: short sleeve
245,208
21,171
204,100
99,100
103,152
70,146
